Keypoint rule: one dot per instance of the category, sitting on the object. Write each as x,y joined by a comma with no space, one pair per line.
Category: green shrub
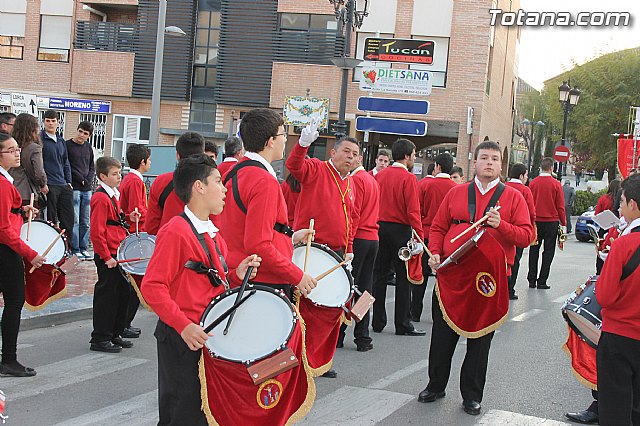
584,200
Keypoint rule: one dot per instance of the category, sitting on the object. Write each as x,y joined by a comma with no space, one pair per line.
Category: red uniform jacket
548,199
176,294
225,166
515,227
399,197
105,238
366,206
133,194
620,300
431,193
528,197
605,202
325,197
291,198
253,233
10,223
157,217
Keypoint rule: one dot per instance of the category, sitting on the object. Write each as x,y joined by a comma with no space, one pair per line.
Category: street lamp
157,69
530,124
568,97
349,16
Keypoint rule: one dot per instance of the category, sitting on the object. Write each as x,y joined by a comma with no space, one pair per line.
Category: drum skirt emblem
486,284
269,394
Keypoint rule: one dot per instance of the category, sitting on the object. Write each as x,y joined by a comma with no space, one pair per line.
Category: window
202,117
12,28
11,47
306,38
128,129
55,38
99,122
206,50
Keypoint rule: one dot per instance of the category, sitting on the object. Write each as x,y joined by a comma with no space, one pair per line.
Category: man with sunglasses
80,155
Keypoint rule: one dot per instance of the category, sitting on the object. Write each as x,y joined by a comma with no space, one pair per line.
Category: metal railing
110,36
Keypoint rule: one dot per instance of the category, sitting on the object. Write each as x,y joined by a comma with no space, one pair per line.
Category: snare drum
42,234
136,246
336,289
582,312
261,326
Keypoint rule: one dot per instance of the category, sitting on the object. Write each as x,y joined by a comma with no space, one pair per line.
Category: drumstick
228,312
30,216
46,252
134,259
330,270
424,246
474,225
243,286
306,255
137,233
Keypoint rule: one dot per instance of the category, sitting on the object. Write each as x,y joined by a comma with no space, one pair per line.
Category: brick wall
89,73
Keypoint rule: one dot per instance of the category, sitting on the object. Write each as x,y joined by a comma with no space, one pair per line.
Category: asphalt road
529,380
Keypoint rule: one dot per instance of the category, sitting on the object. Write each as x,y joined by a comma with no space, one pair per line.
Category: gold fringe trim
46,302
134,284
581,379
467,334
204,394
344,320
406,266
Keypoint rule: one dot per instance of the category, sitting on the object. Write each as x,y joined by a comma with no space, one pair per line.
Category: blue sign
400,106
81,105
391,126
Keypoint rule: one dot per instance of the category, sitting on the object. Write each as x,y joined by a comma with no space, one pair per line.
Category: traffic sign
23,103
400,106
391,126
561,153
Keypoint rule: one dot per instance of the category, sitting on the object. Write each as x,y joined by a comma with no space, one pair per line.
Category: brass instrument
413,248
593,231
562,238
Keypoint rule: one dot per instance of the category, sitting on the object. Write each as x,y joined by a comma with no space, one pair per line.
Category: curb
57,318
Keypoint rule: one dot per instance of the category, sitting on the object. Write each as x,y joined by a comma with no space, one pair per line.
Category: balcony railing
112,36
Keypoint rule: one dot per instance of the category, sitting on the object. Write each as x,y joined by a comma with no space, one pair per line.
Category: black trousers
443,344
60,207
547,236
110,302
393,236
364,257
418,291
12,288
132,306
178,382
514,271
618,361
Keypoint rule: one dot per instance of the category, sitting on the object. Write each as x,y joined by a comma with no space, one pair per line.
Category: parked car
582,228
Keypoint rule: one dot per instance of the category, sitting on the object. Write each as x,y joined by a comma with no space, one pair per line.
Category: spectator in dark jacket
80,155
569,201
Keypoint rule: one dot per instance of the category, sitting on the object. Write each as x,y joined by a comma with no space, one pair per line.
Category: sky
545,52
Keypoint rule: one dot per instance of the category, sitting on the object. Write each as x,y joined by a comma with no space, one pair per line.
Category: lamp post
568,97
157,69
530,124
349,17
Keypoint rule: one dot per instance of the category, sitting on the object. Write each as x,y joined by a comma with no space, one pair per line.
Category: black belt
201,268
16,210
283,229
458,221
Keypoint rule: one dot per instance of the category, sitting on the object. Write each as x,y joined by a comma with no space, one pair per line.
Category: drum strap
165,194
199,267
633,262
16,210
119,214
492,202
278,227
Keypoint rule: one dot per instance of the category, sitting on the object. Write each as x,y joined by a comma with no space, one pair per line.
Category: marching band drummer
179,295
510,227
12,250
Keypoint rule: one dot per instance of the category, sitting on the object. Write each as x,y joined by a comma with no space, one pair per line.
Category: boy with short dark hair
108,229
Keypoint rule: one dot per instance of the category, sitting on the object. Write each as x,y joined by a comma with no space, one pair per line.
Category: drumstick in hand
137,220
134,259
306,254
30,216
46,252
424,246
474,225
330,270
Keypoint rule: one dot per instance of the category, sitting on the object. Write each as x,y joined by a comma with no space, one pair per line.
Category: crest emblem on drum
486,284
269,394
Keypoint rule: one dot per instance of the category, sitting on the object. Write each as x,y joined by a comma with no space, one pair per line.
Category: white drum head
259,328
42,234
334,290
133,247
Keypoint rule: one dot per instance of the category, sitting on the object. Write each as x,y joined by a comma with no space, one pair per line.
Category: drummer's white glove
349,258
310,133
564,229
417,249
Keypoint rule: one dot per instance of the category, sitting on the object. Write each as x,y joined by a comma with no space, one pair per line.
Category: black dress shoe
364,348
471,407
414,332
428,396
134,329
331,374
121,342
377,330
543,287
105,347
532,285
513,296
130,334
586,417
340,344
16,369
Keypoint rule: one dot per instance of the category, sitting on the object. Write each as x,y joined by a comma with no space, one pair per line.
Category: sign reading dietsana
387,80
399,50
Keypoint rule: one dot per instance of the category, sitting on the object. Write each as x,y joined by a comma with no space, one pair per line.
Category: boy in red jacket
618,353
108,229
